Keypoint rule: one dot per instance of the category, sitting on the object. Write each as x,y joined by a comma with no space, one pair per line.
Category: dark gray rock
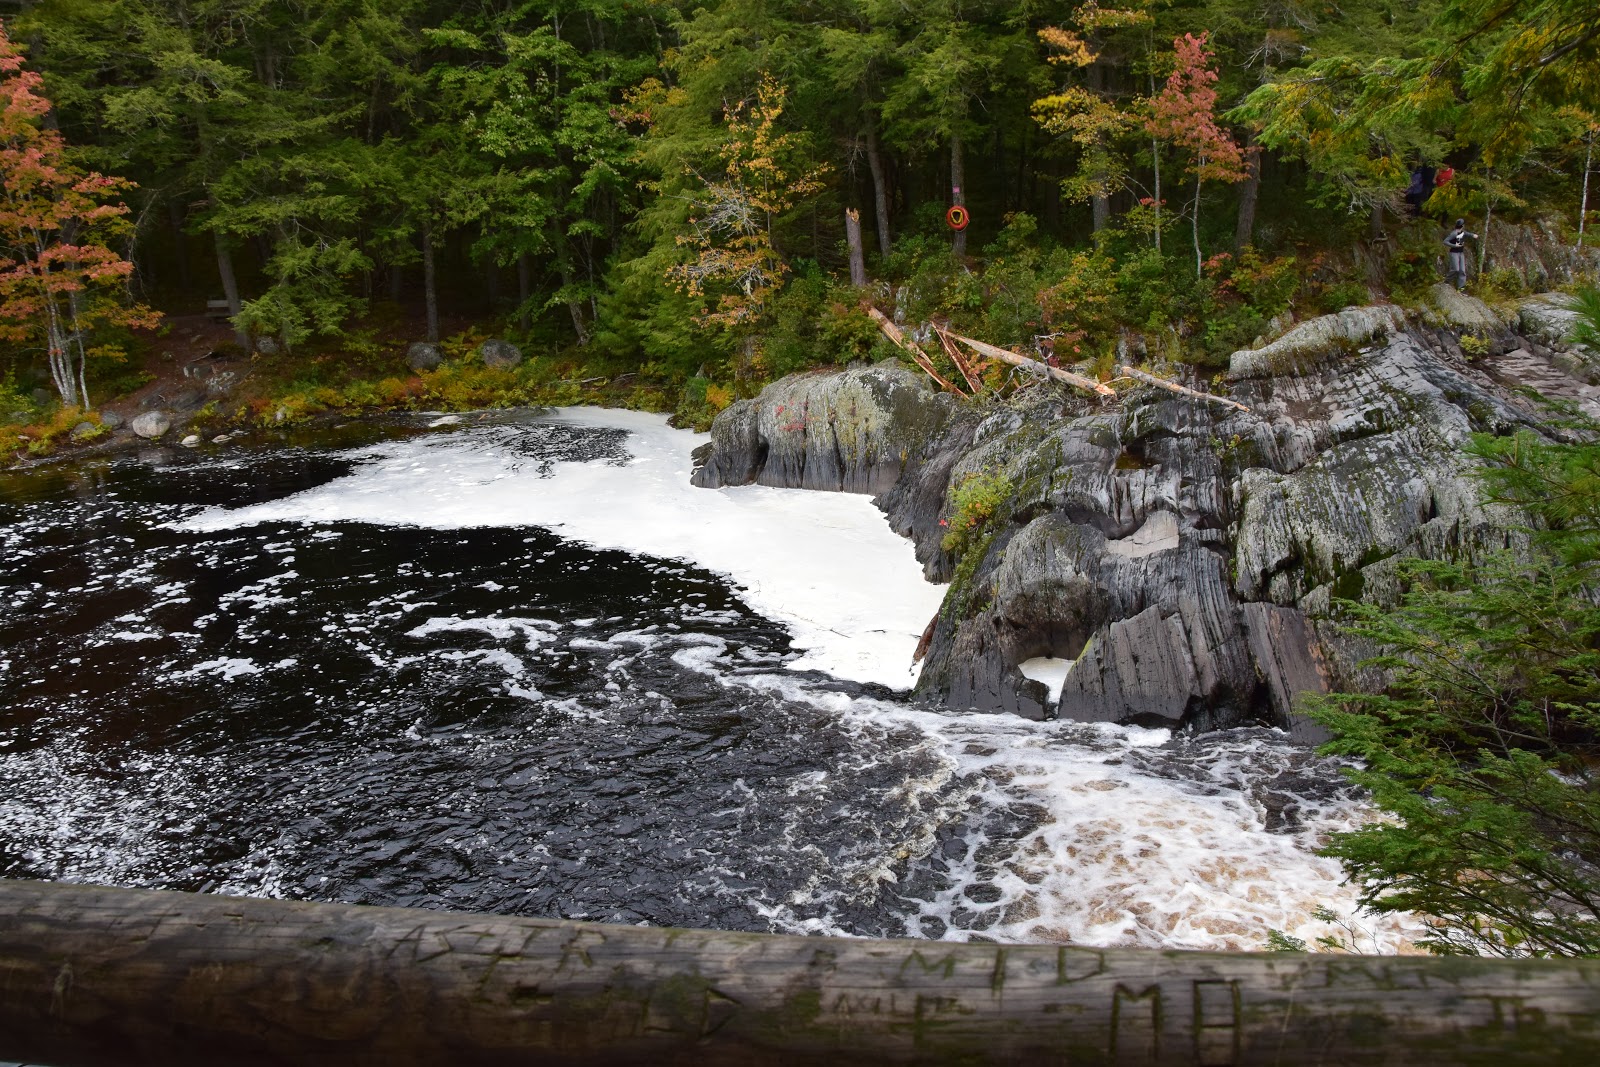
187,400
1183,557
856,431
267,346
220,384
84,429
424,356
111,420
497,353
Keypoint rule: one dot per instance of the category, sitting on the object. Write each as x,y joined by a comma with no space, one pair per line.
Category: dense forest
661,187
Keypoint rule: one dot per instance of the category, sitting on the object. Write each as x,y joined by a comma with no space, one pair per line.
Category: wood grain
98,976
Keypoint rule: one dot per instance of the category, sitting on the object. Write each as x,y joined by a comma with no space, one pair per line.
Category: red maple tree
1185,113
59,280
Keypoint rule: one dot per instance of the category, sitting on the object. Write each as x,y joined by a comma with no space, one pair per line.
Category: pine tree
1482,750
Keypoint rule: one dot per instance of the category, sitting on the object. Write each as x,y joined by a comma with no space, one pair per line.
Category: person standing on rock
1456,242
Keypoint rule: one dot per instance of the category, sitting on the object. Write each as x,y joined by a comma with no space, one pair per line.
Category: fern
1586,331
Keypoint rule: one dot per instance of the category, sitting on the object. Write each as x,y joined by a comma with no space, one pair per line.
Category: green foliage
1482,748
977,504
1586,330
331,153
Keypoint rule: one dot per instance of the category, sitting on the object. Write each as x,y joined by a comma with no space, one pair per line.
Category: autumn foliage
59,279
734,260
1184,113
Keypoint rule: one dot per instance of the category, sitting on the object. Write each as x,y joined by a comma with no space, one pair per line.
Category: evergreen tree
1483,748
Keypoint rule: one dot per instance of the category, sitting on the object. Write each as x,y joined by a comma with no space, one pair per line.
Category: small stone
497,353
152,424
191,441
281,415
423,356
221,439
84,429
267,346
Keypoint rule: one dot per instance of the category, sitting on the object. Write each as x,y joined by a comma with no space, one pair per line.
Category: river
514,663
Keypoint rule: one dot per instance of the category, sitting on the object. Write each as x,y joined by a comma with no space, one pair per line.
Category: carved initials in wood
1216,1023
1136,1025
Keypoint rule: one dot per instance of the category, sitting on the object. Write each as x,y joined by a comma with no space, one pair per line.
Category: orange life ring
957,217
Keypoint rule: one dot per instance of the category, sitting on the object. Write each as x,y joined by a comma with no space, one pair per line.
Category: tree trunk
858,260
1483,241
524,291
1583,206
491,285
1155,161
430,293
880,188
96,976
958,180
1194,222
230,289
1100,206
1244,233
397,283
180,245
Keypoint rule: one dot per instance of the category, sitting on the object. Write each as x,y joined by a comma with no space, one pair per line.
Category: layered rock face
1180,557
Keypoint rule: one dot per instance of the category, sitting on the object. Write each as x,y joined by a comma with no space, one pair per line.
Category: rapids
517,664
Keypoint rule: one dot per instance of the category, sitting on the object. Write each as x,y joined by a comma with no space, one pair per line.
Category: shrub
978,502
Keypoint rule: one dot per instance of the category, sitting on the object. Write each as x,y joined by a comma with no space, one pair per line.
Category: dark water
497,719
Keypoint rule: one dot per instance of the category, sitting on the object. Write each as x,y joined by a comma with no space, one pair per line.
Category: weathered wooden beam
1162,383
897,335
92,976
953,350
1005,356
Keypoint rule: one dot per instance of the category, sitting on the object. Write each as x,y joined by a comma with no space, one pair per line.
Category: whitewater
713,675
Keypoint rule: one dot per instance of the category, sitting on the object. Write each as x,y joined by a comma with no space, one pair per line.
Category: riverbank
1164,561
192,380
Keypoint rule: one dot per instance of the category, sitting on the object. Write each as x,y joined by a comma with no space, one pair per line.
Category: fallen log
953,350
1162,383
92,976
1006,356
895,334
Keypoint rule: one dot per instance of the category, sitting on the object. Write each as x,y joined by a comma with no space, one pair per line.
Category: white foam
1049,670
825,565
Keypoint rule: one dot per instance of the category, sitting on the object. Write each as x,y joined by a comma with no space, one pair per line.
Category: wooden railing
113,976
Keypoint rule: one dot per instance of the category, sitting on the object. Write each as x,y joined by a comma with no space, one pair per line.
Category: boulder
191,441
1451,307
187,400
1546,318
220,384
497,353
267,346
111,420
152,424
1319,339
856,432
84,429
424,356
